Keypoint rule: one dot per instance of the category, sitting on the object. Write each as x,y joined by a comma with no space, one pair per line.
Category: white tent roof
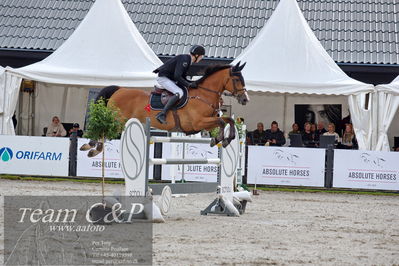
106,48
286,57
392,87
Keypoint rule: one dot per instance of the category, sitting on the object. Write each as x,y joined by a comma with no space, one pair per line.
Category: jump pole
135,162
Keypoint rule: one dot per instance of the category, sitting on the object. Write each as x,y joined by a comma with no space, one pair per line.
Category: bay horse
202,107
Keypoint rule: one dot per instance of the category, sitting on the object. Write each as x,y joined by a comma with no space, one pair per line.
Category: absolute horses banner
366,169
286,166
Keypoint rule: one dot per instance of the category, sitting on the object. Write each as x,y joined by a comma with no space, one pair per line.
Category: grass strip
263,188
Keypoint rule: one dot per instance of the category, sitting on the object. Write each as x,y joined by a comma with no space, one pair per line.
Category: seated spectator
331,132
274,136
56,129
259,135
76,128
319,131
308,138
313,128
348,139
295,129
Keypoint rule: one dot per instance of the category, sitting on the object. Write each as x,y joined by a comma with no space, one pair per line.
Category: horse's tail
106,93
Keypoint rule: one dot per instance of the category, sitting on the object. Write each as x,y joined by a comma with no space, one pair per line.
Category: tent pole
33,113
285,113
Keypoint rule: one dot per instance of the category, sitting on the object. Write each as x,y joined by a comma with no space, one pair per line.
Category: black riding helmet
197,50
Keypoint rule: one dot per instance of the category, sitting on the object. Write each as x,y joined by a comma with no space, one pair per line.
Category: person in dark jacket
173,73
259,135
319,131
308,137
274,136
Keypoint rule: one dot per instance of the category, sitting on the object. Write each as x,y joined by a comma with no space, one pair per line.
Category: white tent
286,57
105,49
388,103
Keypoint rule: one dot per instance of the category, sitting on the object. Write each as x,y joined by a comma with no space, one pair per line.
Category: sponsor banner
286,166
193,172
91,166
25,155
366,169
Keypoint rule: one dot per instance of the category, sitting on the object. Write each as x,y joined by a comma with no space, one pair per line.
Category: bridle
234,81
220,93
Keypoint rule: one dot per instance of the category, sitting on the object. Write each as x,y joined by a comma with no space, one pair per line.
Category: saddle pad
156,104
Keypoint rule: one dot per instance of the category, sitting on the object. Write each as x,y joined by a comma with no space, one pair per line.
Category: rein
234,94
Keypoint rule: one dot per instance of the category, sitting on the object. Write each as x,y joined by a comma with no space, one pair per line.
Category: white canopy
392,88
388,104
106,48
286,57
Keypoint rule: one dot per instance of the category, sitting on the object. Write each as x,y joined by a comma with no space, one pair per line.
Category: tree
105,123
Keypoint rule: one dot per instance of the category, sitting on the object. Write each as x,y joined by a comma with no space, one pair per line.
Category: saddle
159,97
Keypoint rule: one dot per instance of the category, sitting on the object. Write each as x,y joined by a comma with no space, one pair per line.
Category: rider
172,74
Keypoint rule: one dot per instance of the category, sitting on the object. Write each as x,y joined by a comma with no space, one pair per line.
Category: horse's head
236,84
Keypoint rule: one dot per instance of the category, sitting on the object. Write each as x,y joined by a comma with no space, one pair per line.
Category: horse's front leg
209,123
232,132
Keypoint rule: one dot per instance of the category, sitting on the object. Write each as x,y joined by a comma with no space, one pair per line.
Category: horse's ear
241,67
236,68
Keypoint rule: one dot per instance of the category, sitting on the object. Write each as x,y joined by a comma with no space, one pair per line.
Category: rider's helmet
197,50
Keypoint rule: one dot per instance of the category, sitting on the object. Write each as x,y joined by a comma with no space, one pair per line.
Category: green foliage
239,125
215,131
104,121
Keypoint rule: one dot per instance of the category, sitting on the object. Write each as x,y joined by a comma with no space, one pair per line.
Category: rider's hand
193,85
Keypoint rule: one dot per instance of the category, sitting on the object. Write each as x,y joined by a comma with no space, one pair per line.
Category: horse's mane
211,70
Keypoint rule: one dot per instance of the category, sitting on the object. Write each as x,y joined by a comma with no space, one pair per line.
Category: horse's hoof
99,147
85,147
93,153
225,143
213,142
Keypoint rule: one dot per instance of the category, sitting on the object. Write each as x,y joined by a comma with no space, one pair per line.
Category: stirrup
161,117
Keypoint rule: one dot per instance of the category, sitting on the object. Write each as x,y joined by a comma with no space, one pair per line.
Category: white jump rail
135,161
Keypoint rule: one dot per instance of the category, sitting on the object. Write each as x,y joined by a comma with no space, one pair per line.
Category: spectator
295,129
313,128
348,139
76,128
274,136
56,129
319,131
259,135
308,138
331,132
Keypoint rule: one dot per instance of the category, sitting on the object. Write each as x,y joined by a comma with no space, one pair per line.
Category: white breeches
169,85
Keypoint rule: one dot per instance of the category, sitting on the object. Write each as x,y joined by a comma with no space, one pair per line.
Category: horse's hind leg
210,123
232,132
99,148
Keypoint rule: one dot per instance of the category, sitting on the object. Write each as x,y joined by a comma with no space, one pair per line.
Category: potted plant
105,123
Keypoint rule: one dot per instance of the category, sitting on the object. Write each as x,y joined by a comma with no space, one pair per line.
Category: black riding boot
161,116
